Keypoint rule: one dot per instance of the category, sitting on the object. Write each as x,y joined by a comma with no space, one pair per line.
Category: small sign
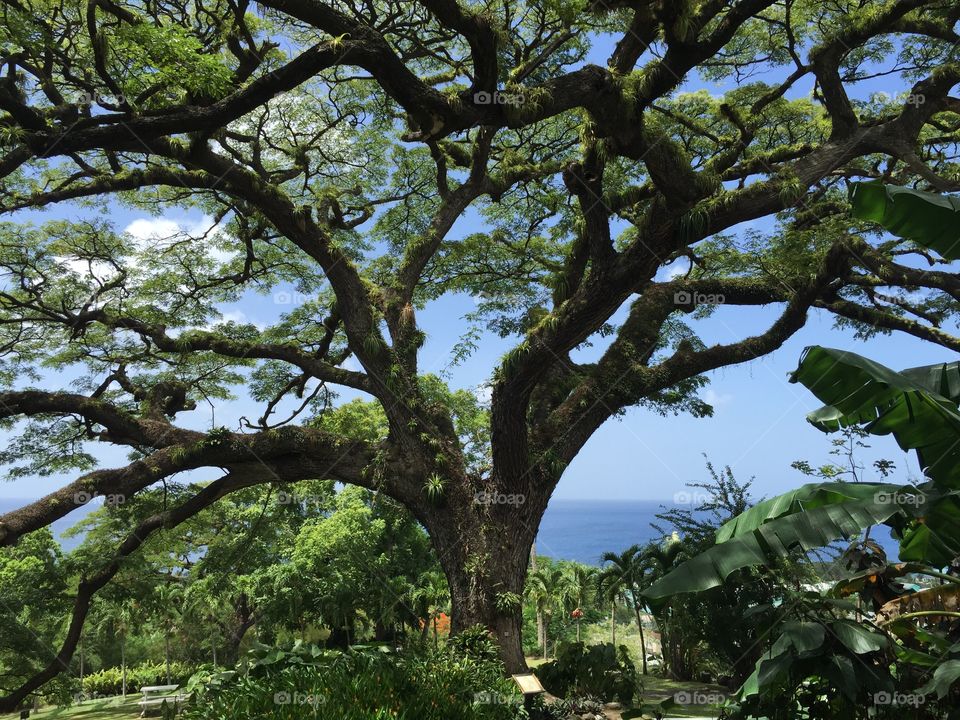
529,684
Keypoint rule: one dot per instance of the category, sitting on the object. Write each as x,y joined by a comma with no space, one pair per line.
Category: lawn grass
105,709
657,689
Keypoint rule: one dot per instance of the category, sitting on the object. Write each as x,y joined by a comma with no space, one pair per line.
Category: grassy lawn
106,709
656,689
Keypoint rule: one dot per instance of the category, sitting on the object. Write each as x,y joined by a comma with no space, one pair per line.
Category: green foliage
33,584
475,643
108,681
829,657
929,219
361,684
917,406
598,670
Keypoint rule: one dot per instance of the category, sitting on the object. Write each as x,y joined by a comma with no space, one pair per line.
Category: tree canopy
551,158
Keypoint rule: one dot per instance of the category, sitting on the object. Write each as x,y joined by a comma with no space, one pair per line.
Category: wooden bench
154,696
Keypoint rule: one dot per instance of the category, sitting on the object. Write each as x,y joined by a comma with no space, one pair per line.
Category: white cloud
717,399
147,231
153,228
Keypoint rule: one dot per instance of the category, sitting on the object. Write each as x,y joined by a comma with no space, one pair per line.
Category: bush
109,681
574,707
597,670
371,683
62,691
475,643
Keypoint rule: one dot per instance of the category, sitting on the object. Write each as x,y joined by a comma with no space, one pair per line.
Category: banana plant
919,408
928,219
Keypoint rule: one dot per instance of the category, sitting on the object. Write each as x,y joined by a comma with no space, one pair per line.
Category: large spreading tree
370,157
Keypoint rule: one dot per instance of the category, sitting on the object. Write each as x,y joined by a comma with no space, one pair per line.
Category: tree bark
484,550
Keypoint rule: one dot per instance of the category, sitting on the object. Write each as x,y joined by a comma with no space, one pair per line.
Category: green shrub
597,670
371,683
109,681
62,691
476,643
574,706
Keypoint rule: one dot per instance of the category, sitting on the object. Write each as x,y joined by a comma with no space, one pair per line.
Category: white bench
154,696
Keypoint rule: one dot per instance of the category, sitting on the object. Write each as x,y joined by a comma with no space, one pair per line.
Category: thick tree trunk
484,548
474,603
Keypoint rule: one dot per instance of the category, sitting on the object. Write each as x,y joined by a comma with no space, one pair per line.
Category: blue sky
758,427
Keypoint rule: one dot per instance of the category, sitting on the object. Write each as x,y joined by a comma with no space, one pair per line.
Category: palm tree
656,561
546,588
622,579
429,598
169,598
210,609
580,579
117,619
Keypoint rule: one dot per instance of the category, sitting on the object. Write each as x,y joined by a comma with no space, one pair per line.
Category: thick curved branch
343,459
121,426
887,321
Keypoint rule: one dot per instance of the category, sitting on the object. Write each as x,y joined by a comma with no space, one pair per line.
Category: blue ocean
583,530
580,530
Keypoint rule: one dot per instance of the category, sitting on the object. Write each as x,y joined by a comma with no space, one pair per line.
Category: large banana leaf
806,497
909,405
926,218
806,530
934,537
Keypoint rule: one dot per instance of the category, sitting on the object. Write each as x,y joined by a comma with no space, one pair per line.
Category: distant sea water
59,526
583,530
580,530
